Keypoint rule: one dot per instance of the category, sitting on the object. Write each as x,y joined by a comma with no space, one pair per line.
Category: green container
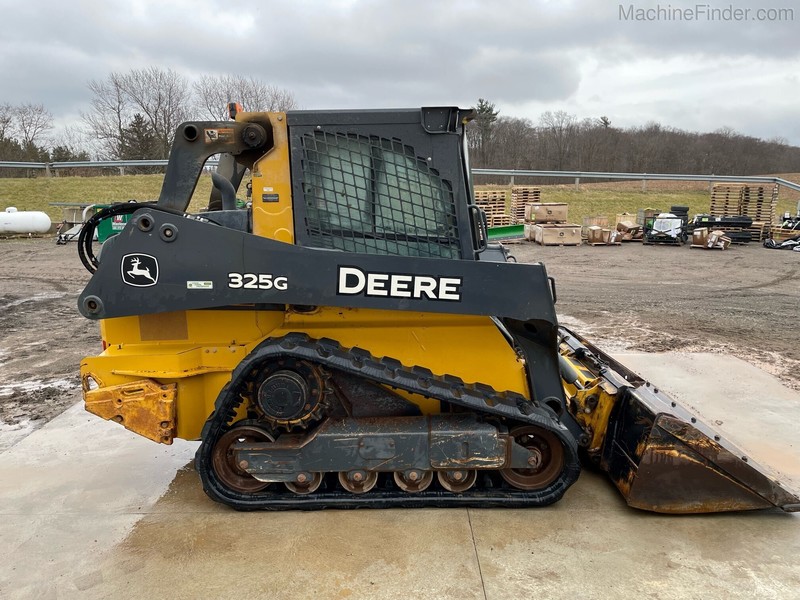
110,226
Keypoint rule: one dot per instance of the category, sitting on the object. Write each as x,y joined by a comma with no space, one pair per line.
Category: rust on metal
145,407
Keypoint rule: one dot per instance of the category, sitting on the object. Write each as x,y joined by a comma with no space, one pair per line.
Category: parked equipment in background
646,217
13,221
112,225
353,341
69,231
667,228
787,236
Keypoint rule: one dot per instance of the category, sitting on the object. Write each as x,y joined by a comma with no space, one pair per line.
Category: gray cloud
525,56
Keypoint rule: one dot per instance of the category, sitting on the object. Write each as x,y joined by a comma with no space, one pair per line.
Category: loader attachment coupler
660,455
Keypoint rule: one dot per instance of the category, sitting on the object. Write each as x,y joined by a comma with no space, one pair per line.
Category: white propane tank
26,221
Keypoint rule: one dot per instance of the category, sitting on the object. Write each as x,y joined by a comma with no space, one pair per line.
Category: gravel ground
743,301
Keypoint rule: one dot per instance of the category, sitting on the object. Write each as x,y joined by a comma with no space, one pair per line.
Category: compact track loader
351,339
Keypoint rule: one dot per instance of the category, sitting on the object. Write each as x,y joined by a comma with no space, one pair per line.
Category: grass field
37,193
591,199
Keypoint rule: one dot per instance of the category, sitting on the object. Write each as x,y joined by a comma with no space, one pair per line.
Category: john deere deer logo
139,270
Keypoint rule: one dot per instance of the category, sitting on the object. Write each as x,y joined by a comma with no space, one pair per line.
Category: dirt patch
42,336
743,301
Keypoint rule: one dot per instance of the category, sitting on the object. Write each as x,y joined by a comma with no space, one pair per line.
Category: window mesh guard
374,195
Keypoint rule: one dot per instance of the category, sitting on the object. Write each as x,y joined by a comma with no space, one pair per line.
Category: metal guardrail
91,164
10,164
578,175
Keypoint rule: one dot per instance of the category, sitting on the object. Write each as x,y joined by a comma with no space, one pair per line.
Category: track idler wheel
358,482
457,481
223,458
546,460
413,481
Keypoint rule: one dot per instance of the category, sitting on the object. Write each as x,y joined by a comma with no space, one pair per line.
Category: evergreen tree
138,140
485,119
64,153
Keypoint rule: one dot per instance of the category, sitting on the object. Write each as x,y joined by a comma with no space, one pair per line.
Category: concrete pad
612,551
90,510
69,492
591,545
80,464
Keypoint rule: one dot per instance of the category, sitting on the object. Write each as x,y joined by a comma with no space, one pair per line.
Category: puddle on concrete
11,433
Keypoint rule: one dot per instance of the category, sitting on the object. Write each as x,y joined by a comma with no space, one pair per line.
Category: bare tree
163,97
70,141
214,92
558,132
32,122
109,114
512,144
6,121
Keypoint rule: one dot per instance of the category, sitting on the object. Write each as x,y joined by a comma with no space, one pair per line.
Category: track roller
306,483
413,481
457,481
358,482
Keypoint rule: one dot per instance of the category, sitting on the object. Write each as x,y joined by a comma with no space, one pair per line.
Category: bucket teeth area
661,456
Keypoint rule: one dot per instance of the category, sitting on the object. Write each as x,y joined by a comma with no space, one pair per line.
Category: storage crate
554,234
546,212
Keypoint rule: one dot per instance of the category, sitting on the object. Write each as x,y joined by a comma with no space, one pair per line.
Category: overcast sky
582,56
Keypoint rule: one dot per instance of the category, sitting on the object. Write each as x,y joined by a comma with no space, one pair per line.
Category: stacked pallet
726,200
758,202
493,203
520,196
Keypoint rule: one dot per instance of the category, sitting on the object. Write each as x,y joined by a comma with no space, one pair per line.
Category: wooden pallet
493,203
604,243
758,231
779,234
523,194
759,202
520,196
490,196
499,220
726,199
559,243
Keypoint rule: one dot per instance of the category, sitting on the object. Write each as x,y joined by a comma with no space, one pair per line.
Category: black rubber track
481,399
